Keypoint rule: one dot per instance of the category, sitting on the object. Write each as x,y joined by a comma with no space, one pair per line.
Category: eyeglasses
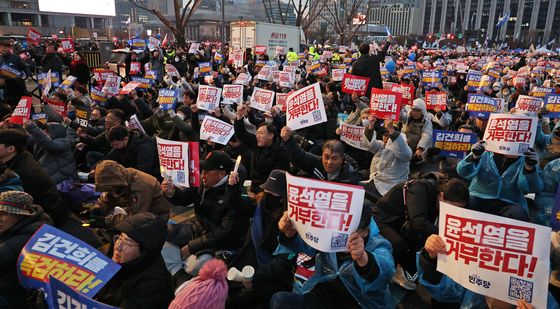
123,245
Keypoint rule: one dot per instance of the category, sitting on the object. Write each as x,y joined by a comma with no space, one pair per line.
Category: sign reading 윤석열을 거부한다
510,134
305,108
215,130
179,162
495,256
324,213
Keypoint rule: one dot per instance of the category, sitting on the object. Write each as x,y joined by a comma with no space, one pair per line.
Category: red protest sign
355,84
58,106
22,111
67,45
260,49
407,92
33,36
434,99
385,104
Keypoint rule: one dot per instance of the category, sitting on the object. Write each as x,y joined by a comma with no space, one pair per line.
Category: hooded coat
53,150
142,191
143,282
418,133
11,243
391,162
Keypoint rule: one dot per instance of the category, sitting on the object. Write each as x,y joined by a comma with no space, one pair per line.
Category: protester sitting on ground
331,166
52,148
390,164
19,220
133,149
219,223
133,191
407,215
266,152
417,127
499,182
143,281
358,278
273,273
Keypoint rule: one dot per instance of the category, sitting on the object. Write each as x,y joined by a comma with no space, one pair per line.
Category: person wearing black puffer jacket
19,220
133,149
219,223
143,281
332,165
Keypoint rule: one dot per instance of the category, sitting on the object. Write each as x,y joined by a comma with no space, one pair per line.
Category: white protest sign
129,87
153,43
243,79
193,49
324,213
215,130
510,134
232,94
112,85
286,79
174,161
237,56
134,123
265,73
352,135
528,106
305,108
338,74
172,71
495,256
68,82
262,99
208,97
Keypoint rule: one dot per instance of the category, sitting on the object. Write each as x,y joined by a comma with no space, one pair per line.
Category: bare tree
183,14
306,13
341,18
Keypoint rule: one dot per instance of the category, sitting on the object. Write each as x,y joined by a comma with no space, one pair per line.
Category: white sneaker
399,278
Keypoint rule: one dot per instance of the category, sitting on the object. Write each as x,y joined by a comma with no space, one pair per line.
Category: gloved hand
478,149
171,113
432,152
531,158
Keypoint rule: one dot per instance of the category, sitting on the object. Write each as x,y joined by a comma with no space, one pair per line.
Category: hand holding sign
286,226
356,249
434,245
286,133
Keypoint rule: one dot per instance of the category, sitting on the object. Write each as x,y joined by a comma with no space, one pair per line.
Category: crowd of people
240,216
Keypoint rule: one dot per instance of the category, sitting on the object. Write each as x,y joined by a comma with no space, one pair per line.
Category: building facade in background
396,15
530,21
17,16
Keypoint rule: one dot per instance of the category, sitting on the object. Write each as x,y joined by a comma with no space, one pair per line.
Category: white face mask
365,122
176,59
268,120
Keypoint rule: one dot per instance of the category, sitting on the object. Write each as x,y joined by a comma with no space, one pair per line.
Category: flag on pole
164,42
388,32
128,21
503,20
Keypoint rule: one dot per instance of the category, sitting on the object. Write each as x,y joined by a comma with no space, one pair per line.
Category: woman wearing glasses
143,281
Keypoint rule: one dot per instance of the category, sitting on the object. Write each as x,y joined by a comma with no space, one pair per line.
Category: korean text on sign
434,99
355,84
262,99
495,256
51,252
232,94
305,108
173,160
385,104
324,213
480,106
552,105
62,296
528,106
352,135
453,144
510,134
215,130
208,97
167,98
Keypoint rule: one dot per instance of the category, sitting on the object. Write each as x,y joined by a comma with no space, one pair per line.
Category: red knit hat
208,290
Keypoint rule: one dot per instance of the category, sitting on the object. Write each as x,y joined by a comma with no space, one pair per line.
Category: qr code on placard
338,240
316,115
523,147
520,289
180,176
